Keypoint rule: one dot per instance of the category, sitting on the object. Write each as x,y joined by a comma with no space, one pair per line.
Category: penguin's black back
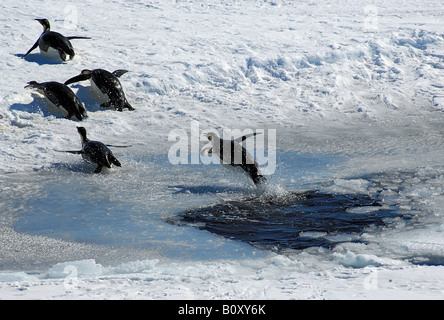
57,41
97,152
107,83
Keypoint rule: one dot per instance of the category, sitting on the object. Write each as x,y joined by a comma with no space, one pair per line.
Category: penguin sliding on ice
106,86
96,152
53,43
236,156
60,96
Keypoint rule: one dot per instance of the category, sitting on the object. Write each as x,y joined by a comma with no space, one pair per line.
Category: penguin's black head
211,135
82,132
31,85
45,24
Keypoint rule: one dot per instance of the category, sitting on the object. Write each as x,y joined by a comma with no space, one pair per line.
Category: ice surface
354,91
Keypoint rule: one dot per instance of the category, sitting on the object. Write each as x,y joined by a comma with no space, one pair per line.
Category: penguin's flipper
78,78
69,151
242,138
32,48
75,37
53,97
120,72
114,146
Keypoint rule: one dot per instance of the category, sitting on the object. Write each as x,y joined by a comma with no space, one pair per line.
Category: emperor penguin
51,43
106,86
95,152
61,96
231,153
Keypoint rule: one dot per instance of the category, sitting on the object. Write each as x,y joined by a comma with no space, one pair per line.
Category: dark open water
295,221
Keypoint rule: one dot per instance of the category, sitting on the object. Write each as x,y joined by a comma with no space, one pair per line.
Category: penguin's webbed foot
114,160
98,169
129,107
259,180
62,55
104,105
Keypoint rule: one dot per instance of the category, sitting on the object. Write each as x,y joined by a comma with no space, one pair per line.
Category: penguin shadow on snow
39,59
35,106
86,95
75,167
38,105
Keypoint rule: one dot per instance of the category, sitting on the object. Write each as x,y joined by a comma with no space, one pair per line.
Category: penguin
53,42
237,156
60,96
106,86
96,152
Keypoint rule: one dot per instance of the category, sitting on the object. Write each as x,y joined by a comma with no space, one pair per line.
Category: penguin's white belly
232,168
52,54
99,95
227,165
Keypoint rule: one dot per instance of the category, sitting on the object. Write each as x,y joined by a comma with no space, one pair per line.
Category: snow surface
357,83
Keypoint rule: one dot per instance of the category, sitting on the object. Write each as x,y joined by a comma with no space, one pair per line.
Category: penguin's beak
31,85
43,22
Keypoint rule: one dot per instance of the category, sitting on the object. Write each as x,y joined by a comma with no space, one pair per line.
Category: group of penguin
60,95
110,92
104,83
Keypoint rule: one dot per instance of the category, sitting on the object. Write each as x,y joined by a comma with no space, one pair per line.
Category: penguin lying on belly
96,152
53,43
60,96
106,86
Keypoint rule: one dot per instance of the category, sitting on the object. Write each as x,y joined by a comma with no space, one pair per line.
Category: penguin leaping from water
232,153
50,42
106,86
